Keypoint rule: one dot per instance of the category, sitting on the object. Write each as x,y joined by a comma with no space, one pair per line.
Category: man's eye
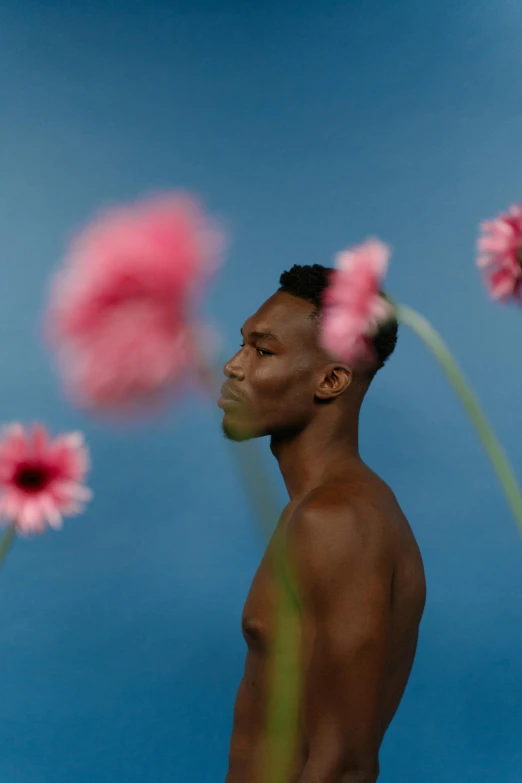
261,351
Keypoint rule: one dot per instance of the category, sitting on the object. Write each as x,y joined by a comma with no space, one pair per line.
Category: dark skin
349,547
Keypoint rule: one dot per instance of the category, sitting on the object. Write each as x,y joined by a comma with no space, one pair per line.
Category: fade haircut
309,283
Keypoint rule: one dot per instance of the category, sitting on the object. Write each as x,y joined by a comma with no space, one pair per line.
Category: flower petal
51,512
353,306
500,255
40,478
119,307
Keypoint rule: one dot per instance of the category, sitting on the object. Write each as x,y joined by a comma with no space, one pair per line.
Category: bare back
407,596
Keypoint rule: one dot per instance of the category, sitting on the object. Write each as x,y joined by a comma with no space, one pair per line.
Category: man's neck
310,457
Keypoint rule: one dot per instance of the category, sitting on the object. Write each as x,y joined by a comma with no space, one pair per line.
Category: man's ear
334,381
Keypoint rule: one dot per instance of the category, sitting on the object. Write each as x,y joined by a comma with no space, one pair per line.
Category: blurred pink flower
121,313
40,478
353,306
500,257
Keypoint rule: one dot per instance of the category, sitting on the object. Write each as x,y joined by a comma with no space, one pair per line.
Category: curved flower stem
251,468
6,541
285,664
284,696
285,660
493,448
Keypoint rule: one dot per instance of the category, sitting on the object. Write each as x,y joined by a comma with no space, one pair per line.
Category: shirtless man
359,570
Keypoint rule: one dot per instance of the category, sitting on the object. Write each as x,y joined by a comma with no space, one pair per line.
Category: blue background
307,127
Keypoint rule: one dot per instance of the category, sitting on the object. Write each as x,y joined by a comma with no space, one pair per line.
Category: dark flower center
32,478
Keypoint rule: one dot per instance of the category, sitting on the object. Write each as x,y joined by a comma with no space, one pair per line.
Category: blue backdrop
307,127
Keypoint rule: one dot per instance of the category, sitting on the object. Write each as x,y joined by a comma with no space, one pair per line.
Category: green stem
493,448
251,468
258,486
285,685
6,541
284,688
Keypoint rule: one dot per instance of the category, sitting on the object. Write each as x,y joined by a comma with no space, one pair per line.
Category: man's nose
233,369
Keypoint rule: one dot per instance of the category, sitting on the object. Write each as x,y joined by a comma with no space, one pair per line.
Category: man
360,576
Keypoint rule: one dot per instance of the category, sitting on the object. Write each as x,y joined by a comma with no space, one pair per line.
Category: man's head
281,376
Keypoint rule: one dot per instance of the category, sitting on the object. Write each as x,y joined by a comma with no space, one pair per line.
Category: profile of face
280,375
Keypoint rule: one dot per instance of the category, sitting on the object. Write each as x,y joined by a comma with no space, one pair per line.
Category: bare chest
272,594
258,621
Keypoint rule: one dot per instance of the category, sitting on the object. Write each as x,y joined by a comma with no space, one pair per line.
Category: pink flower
353,307
121,314
500,256
40,478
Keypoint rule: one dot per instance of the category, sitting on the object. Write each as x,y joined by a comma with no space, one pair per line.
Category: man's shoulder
334,539
365,504
334,521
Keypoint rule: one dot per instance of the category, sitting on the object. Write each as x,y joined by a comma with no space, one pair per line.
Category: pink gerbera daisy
353,304
122,311
500,255
41,478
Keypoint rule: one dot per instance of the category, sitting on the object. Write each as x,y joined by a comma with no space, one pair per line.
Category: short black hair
310,282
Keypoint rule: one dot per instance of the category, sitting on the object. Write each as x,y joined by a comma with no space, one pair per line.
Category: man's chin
237,432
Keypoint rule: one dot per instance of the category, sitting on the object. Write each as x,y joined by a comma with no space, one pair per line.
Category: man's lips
228,398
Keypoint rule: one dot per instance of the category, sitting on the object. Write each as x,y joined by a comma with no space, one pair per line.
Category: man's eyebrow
263,336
